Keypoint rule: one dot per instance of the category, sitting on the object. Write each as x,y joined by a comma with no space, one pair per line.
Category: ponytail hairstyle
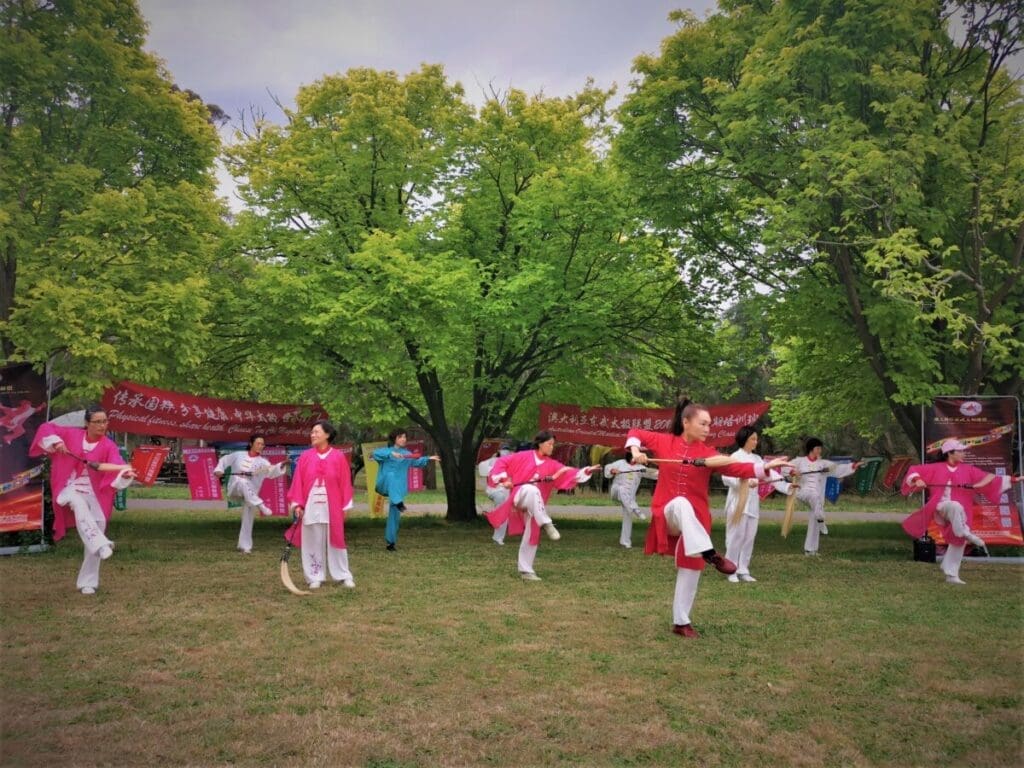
685,409
811,444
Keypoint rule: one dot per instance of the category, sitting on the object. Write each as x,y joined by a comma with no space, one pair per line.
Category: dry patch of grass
192,654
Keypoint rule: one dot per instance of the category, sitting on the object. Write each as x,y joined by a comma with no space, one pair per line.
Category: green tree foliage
416,261
108,220
866,154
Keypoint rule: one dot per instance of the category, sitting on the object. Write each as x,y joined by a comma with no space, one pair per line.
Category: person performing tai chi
741,524
496,493
86,469
809,474
393,479
320,494
248,471
680,518
530,477
951,487
626,481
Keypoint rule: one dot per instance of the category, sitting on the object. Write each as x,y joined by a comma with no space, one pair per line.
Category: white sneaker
314,585
641,516
266,511
824,528
88,591
810,554
245,551
954,580
734,579
747,578
529,577
552,532
106,551
499,542
348,583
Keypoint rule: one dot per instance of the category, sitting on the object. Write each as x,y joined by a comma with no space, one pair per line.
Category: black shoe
389,547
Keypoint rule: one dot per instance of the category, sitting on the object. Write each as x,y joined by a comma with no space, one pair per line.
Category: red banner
147,460
203,485
608,426
988,427
149,411
275,489
415,477
22,411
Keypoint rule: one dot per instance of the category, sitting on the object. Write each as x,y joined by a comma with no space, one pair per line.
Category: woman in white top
740,535
248,471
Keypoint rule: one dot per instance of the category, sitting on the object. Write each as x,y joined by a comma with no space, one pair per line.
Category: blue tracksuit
393,478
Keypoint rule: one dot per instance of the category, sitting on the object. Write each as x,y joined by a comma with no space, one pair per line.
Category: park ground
194,654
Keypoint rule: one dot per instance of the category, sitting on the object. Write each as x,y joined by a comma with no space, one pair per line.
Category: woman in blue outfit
393,479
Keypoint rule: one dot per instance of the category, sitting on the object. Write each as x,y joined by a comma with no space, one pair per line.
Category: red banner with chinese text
144,410
608,426
22,410
988,426
415,476
275,489
203,485
147,460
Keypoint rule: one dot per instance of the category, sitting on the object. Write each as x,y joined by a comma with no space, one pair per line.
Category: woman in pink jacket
85,471
952,485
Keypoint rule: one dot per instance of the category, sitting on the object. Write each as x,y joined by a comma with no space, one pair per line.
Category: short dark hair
92,410
542,437
327,427
811,444
744,434
394,434
255,437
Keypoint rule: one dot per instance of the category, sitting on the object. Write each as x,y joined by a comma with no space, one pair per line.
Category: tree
108,220
861,152
421,262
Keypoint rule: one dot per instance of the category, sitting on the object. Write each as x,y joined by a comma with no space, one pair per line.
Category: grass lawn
847,502
193,654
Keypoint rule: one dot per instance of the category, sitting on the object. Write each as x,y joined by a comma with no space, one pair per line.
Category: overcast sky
241,53
232,52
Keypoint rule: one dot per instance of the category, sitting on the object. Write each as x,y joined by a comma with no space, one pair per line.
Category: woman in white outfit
812,471
740,535
625,484
248,471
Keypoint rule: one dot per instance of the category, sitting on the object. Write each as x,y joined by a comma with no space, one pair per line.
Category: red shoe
728,567
686,630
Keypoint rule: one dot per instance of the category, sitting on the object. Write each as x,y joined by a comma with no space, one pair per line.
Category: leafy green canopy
861,153
417,260
108,222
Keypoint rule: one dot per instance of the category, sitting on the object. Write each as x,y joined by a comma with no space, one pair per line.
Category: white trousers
91,525
319,558
498,495
687,581
693,538
529,499
240,488
815,520
739,543
627,498
954,513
